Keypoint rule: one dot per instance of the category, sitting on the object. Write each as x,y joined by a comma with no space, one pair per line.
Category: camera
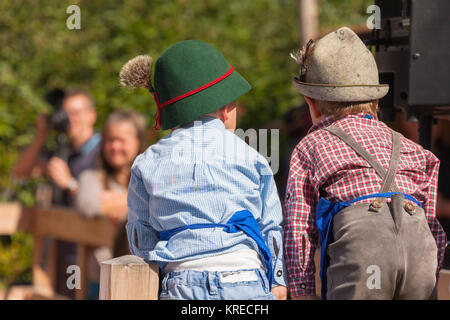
58,120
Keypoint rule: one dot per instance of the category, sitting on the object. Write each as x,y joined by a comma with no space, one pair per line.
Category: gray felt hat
339,68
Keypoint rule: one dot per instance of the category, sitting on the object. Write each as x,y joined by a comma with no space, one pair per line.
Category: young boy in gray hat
364,191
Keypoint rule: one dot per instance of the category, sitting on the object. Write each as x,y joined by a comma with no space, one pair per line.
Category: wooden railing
121,278
51,224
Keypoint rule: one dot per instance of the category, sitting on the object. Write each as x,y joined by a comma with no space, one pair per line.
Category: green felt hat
191,79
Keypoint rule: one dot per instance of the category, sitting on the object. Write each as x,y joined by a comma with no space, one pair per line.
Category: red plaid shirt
323,164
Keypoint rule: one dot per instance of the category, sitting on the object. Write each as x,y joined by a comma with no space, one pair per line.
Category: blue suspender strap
167,234
386,195
246,222
240,221
325,211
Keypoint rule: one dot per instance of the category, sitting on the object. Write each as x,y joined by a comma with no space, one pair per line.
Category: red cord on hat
157,116
157,125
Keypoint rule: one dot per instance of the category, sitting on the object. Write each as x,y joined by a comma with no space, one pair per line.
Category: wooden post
317,274
444,285
44,265
128,278
82,256
13,219
309,21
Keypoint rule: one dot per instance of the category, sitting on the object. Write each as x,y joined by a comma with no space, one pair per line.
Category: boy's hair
341,109
216,113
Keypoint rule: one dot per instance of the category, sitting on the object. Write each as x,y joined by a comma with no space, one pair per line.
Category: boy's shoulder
369,131
310,143
215,144
161,149
319,140
242,153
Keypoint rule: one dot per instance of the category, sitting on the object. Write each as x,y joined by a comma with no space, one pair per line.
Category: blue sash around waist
325,212
240,221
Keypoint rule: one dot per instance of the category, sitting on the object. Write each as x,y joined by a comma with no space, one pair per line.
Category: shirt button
279,273
287,196
303,286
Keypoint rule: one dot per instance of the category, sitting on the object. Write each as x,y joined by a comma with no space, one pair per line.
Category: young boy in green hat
201,202
362,190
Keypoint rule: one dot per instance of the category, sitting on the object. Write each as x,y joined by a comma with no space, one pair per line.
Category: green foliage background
38,52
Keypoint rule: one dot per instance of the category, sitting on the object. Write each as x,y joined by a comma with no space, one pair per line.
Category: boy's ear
225,110
223,113
313,107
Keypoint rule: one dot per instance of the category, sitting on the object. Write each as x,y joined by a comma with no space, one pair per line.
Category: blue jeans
93,291
248,284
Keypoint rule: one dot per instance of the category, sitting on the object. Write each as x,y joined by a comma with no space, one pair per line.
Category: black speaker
429,59
412,50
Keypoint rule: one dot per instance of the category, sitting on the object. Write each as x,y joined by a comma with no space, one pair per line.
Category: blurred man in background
81,151
64,165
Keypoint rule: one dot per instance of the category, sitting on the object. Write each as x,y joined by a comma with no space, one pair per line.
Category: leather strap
388,176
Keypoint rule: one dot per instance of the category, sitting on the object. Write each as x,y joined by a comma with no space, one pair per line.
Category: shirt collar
90,144
330,120
205,121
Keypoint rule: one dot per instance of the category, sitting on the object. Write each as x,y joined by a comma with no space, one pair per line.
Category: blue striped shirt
201,173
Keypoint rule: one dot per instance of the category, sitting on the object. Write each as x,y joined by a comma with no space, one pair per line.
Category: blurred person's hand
28,163
280,292
59,172
113,204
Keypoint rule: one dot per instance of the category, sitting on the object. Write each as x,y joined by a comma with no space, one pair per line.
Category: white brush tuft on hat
137,73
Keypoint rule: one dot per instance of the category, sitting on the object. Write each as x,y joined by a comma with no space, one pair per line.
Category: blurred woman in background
104,191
